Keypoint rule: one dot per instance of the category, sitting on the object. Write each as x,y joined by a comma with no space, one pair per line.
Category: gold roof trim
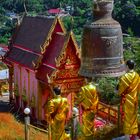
62,25
63,52
38,62
49,37
75,44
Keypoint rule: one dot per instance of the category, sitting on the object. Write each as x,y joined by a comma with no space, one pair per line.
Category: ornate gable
68,64
69,56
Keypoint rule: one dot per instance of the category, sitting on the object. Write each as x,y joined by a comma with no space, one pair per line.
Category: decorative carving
68,63
67,56
109,41
42,49
69,85
67,73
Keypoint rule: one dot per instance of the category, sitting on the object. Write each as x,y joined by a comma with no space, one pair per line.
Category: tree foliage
18,5
107,92
132,50
128,14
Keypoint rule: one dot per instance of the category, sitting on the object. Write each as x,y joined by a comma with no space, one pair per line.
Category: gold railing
37,128
108,112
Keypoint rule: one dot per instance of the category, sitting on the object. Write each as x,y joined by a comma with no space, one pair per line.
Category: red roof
55,11
54,49
31,34
42,72
52,52
24,58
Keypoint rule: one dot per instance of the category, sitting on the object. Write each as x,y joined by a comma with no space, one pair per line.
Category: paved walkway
4,103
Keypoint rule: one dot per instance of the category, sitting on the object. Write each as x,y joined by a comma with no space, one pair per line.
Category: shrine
41,47
72,92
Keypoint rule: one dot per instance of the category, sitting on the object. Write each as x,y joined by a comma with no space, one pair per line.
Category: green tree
18,5
128,14
106,88
2,17
82,14
132,50
35,5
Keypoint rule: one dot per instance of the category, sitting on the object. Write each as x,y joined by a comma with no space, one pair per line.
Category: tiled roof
42,73
30,35
24,58
32,32
54,49
25,49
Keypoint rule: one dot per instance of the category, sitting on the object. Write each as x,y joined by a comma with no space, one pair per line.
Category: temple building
41,47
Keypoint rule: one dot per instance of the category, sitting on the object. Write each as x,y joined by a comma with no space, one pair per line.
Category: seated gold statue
88,99
128,89
56,115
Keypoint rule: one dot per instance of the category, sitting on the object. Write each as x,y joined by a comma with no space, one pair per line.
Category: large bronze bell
102,47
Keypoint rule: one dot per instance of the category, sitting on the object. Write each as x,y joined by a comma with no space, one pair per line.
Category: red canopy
54,11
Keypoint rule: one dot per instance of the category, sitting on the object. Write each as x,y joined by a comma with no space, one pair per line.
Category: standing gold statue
128,90
89,99
56,115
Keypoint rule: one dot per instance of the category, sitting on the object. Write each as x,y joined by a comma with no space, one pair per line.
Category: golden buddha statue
88,99
56,114
128,90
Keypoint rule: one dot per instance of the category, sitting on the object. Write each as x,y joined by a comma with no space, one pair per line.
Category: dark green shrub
107,90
